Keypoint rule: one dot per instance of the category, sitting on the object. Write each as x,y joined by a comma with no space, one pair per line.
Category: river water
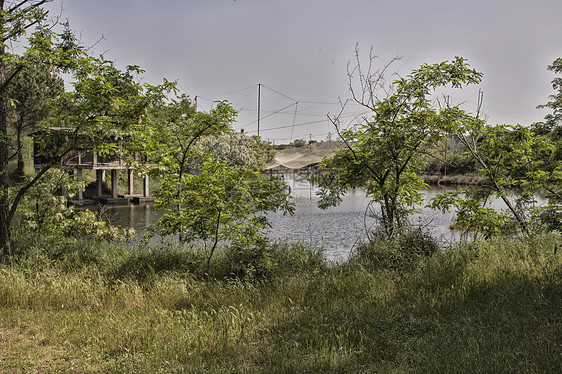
337,230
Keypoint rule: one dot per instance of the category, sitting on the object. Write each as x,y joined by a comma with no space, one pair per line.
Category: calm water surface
337,230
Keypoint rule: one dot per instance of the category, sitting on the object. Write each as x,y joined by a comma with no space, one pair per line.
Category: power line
288,126
277,92
272,113
309,91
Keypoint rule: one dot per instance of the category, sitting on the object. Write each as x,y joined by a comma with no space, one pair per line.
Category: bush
67,254
400,253
144,264
264,261
551,219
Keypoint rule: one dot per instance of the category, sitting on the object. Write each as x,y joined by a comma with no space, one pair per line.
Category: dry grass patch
30,351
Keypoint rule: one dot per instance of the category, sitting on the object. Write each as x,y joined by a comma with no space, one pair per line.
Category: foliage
400,253
45,210
168,138
238,149
449,158
554,119
383,151
297,143
15,20
473,214
220,203
549,176
93,117
211,185
510,157
103,104
505,155
29,93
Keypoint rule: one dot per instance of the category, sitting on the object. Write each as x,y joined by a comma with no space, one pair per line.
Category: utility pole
196,103
259,105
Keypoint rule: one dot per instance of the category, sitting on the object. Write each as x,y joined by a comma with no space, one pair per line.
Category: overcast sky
299,49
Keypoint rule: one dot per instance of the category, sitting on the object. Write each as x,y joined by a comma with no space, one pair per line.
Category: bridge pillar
145,191
114,183
79,179
130,181
99,181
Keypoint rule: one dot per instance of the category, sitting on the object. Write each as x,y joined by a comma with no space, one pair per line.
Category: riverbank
81,307
453,180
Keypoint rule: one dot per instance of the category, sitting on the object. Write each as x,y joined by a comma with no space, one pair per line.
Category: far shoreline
453,180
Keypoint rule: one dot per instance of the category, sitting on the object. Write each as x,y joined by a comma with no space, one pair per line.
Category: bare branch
102,38
370,81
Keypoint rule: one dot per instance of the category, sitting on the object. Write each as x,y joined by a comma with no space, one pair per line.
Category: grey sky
299,49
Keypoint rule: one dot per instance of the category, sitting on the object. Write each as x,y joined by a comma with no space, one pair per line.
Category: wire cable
279,93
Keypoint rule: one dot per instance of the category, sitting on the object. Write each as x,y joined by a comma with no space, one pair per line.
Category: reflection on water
137,216
337,230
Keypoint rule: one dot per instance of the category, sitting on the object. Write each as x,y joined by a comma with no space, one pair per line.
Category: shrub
551,218
400,253
264,261
145,264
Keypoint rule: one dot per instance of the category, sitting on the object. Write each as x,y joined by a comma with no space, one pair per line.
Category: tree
526,158
549,176
211,186
554,119
383,150
103,104
30,92
16,18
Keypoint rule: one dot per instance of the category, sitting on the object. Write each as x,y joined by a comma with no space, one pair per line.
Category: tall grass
82,307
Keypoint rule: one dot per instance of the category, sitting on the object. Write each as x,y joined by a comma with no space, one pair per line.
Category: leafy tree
522,157
549,176
503,154
508,159
382,153
30,91
554,119
220,202
103,104
15,19
211,186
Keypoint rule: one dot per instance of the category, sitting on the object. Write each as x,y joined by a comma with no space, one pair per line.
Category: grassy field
79,307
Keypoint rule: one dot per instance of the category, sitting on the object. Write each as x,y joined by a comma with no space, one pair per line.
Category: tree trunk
216,240
4,202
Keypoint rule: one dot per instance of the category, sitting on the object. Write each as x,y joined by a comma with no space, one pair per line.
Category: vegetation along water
226,294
